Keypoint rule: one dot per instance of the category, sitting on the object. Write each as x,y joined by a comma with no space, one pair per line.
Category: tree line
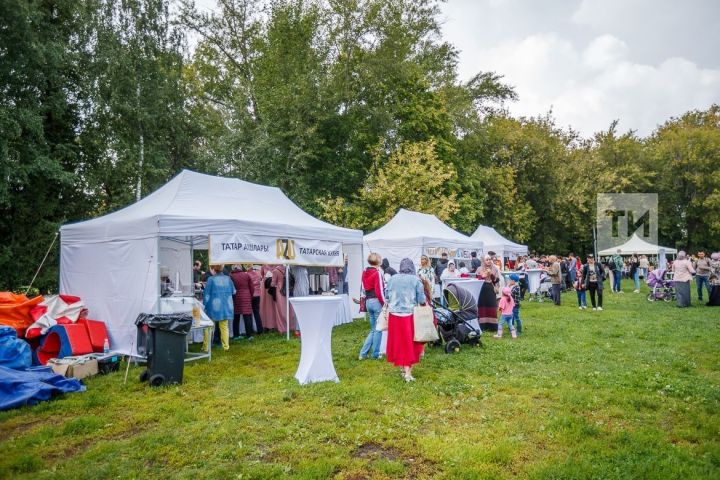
353,107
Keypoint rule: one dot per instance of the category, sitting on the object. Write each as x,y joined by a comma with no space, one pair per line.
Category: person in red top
242,301
372,290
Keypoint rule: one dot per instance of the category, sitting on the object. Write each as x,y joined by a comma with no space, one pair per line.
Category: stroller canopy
656,277
461,301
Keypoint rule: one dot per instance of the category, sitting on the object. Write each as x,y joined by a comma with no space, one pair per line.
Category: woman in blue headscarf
404,292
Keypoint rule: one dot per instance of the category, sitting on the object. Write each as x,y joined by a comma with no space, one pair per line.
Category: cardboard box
107,362
77,367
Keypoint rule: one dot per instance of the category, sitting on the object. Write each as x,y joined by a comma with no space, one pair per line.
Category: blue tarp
14,352
33,385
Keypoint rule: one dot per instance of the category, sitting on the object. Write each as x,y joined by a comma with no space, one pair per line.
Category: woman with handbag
487,300
372,301
404,292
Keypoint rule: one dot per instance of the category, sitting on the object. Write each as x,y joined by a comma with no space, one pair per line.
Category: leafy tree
411,177
686,151
39,114
136,132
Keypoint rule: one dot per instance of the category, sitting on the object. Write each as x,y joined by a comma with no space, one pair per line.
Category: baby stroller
662,288
455,322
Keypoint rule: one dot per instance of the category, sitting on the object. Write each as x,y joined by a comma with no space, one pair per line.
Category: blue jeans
516,318
636,278
582,298
506,319
700,282
374,337
616,279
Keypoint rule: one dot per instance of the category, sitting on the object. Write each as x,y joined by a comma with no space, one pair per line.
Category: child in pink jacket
506,313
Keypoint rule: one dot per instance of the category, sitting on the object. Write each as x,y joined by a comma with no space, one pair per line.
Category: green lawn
631,392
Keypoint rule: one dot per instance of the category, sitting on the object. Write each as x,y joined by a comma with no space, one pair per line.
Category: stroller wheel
668,297
452,346
651,297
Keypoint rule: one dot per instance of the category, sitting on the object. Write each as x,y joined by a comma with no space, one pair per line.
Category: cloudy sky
593,61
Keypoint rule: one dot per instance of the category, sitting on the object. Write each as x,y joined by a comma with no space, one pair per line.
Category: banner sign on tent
459,253
240,248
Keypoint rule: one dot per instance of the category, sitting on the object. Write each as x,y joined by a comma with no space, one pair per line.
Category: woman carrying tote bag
404,292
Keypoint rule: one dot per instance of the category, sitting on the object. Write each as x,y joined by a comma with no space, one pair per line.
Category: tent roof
494,241
410,228
197,204
636,245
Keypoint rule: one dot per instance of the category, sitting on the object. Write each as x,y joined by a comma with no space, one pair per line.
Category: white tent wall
409,233
636,245
116,280
355,267
112,262
394,254
494,242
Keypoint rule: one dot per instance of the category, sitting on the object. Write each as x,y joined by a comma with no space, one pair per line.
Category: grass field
630,392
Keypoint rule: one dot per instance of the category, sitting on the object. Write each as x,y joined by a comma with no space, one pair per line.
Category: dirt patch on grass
415,466
374,451
77,448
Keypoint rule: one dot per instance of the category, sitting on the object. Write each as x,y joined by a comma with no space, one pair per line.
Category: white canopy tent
494,242
411,234
113,262
636,245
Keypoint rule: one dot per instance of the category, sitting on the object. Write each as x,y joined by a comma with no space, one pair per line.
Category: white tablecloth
343,313
533,278
316,317
472,285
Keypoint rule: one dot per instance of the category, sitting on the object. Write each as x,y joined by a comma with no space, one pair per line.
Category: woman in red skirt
404,292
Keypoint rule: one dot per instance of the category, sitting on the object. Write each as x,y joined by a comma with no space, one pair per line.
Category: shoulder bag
363,300
423,320
381,324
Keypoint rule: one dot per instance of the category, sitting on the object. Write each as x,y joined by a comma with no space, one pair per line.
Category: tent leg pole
287,301
41,263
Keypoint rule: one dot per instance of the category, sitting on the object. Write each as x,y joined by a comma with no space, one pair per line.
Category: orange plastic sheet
15,311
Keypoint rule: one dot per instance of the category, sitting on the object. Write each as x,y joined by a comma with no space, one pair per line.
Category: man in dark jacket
474,262
441,266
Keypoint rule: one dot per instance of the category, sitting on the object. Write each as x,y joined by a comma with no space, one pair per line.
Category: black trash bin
161,338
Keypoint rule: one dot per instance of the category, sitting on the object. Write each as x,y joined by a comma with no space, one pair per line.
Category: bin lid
169,322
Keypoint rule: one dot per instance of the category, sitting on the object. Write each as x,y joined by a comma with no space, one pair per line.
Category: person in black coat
474,262
593,275
441,266
386,268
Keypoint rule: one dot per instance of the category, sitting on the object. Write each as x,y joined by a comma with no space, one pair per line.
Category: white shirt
448,274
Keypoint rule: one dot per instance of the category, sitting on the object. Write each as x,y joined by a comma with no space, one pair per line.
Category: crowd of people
255,295
384,288
395,294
